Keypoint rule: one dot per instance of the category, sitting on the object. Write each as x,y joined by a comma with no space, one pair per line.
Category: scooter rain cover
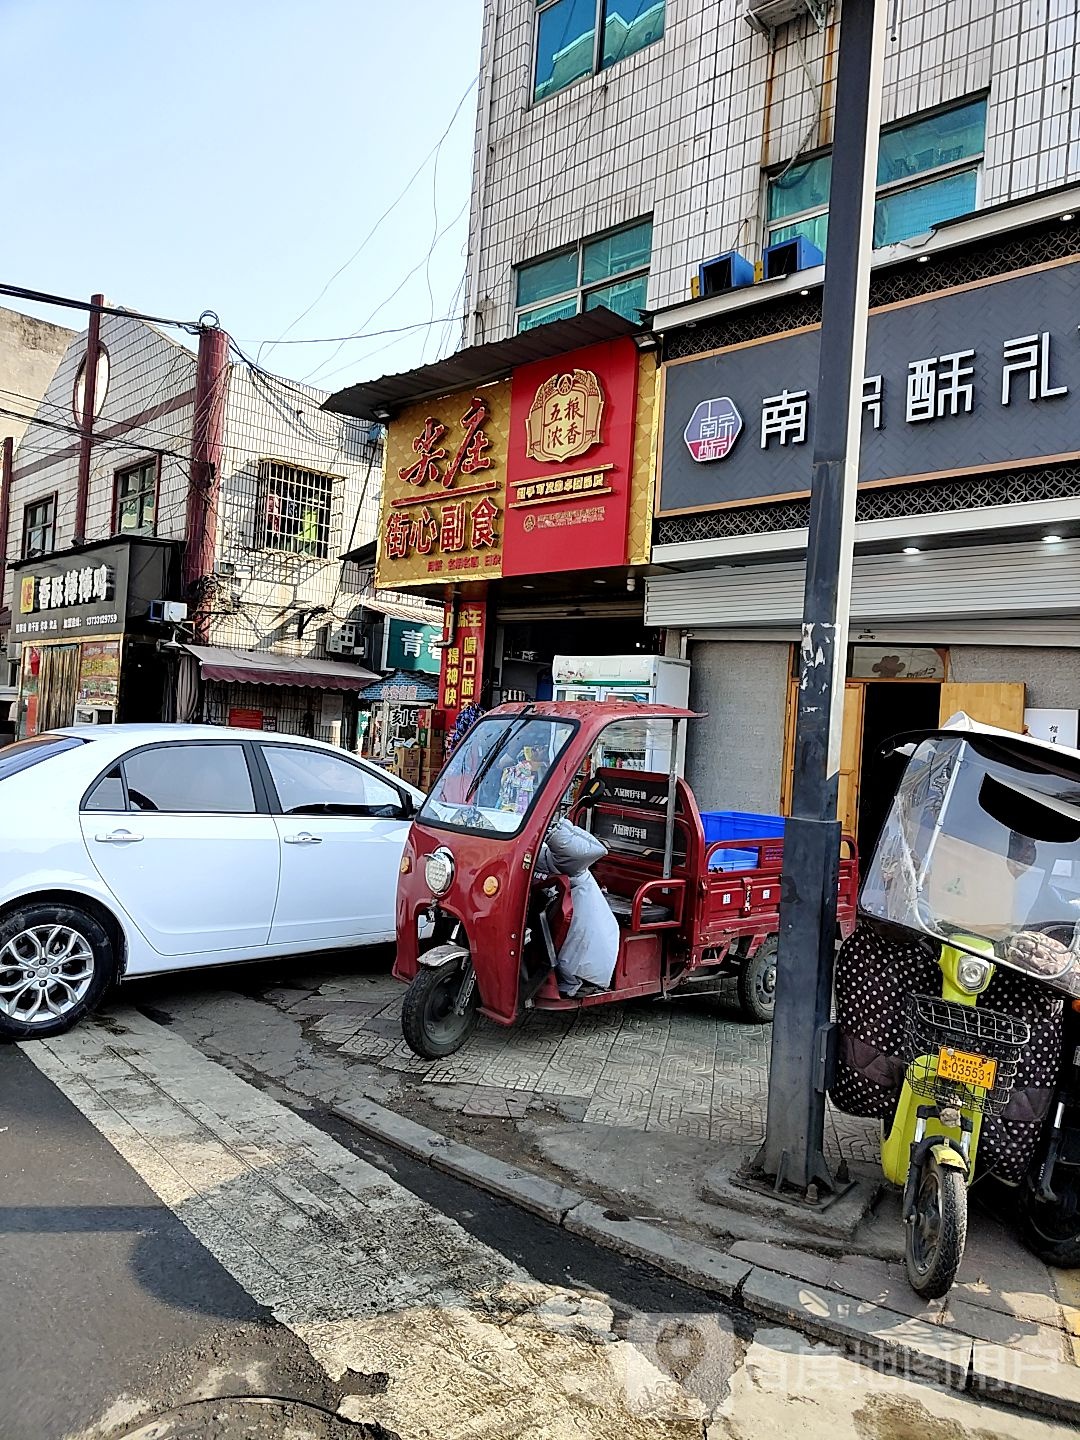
982,847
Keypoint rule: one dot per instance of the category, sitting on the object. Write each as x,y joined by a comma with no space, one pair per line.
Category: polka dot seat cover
876,970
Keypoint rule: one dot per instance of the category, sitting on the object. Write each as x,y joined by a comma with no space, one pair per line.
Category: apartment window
39,528
928,171
136,499
610,271
579,37
296,509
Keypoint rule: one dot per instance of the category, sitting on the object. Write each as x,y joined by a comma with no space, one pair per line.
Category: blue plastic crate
733,860
740,825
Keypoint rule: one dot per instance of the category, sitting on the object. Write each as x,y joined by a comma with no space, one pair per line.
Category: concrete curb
894,1342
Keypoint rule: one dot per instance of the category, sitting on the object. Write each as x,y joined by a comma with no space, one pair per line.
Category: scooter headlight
439,871
973,973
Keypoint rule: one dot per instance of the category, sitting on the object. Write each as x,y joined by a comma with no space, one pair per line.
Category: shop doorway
888,708
875,710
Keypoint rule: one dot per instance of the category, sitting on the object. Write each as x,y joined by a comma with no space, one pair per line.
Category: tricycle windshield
495,776
983,852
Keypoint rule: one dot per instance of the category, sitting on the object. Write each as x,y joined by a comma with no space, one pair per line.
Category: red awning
260,667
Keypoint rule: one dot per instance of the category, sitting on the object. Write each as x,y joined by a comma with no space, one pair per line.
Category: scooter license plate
966,1068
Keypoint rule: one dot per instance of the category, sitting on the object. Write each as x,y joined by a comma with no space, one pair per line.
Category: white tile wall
264,419
281,420
683,129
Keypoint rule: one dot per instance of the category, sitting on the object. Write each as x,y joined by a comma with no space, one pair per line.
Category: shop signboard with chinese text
71,596
443,495
461,681
410,645
978,378
570,462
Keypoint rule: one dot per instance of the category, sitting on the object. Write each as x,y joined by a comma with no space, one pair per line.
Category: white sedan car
138,849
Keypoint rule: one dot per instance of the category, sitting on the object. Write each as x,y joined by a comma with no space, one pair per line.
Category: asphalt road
418,1305
108,1304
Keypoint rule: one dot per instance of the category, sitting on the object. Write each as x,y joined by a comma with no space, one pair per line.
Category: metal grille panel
1010,487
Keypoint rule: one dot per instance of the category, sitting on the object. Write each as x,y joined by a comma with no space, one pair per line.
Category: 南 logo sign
713,429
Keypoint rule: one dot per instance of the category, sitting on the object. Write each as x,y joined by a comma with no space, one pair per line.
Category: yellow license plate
966,1069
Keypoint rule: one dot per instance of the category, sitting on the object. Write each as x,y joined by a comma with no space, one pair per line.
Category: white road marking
369,1276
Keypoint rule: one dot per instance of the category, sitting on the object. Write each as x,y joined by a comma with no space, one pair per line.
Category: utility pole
87,413
204,486
793,1154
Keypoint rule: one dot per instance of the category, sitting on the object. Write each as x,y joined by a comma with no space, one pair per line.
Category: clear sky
184,155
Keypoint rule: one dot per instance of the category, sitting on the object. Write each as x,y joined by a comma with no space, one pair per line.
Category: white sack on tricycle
591,948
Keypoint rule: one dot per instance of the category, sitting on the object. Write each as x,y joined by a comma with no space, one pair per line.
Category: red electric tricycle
479,925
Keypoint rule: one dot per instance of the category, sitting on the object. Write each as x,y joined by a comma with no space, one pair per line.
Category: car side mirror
409,807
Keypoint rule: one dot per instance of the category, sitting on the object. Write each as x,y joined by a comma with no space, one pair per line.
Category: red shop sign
568,465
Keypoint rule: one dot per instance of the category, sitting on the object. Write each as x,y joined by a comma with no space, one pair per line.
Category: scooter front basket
937,1030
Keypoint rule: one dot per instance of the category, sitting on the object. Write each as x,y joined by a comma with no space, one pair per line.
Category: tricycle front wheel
430,1021
756,984
936,1235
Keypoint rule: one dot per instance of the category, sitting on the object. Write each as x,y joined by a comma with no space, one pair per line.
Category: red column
86,419
207,445
5,511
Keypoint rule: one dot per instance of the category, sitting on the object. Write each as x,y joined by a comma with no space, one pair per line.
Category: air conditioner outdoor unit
342,639
768,15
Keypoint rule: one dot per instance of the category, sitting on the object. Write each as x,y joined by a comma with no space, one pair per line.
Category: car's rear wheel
56,962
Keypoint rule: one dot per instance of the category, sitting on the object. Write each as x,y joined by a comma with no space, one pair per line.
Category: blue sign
714,427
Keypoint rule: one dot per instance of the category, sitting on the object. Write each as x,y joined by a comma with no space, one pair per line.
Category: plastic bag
572,850
591,948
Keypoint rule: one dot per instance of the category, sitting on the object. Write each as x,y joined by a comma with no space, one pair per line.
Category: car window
24,753
108,793
191,779
309,782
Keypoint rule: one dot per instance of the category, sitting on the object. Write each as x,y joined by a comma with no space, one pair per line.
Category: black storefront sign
980,378
97,590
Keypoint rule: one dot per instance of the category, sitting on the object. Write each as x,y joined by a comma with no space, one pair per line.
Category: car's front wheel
56,962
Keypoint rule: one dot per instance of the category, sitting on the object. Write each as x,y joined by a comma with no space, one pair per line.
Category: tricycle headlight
973,973
439,871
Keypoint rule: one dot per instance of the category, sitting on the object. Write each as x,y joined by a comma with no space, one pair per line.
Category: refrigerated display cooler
646,679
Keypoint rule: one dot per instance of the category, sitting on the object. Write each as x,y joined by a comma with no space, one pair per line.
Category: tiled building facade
143,430
686,131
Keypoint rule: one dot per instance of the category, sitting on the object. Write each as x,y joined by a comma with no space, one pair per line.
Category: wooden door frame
787,761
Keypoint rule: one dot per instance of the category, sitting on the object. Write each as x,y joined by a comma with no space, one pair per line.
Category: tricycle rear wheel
429,1022
756,984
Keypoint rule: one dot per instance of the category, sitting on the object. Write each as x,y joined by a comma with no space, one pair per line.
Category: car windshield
984,854
496,773
24,753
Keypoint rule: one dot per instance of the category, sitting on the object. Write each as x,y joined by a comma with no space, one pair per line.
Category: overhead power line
67,302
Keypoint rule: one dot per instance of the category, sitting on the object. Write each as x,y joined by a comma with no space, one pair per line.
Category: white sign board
1059,727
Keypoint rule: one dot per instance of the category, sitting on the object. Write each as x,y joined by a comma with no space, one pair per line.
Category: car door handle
304,838
118,837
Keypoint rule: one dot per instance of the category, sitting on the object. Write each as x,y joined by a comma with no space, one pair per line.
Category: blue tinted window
545,278
557,310
625,297
804,187
928,144
614,254
816,230
913,212
630,25
565,45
